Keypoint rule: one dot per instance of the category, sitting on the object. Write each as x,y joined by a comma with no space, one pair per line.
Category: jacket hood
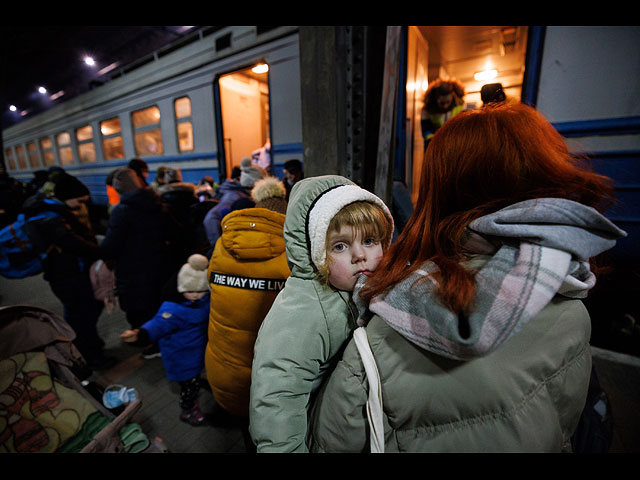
230,186
188,188
312,204
523,255
253,234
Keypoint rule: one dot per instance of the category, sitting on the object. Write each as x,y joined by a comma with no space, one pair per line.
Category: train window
86,147
63,140
147,136
9,156
183,124
183,107
148,116
244,104
46,147
22,160
112,143
32,151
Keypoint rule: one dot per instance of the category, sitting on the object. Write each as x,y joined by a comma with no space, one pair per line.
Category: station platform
618,373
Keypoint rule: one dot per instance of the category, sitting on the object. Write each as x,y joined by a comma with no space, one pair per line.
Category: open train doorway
244,116
474,56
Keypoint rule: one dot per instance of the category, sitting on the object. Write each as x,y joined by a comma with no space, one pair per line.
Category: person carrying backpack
70,249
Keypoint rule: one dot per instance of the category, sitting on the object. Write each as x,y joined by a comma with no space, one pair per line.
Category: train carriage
199,106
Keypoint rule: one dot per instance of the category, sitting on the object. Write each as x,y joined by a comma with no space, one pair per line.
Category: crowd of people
463,332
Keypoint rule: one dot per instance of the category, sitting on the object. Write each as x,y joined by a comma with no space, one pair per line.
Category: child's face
350,256
193,296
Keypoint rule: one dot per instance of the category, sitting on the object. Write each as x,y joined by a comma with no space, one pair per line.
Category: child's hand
129,336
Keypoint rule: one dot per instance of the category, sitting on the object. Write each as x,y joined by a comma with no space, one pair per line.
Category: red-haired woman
476,339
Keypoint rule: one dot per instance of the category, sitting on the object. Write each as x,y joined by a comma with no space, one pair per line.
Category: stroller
46,402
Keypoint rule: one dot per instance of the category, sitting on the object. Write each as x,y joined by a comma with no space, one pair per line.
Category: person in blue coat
181,332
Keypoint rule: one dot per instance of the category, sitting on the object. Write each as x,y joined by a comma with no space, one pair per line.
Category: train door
243,117
416,87
474,56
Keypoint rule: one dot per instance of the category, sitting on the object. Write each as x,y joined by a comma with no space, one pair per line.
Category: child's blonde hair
367,219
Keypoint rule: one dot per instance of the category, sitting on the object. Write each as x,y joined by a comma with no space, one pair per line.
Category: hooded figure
306,329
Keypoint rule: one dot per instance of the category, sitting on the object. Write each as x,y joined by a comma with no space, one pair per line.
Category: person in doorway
476,339
334,232
444,100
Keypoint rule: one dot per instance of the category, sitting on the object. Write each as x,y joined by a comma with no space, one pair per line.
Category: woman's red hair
479,162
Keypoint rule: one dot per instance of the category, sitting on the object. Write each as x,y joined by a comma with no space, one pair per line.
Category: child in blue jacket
181,332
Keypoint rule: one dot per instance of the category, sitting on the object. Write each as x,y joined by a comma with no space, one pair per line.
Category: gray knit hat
250,173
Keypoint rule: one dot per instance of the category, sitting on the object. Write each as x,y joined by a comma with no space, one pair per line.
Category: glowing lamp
485,75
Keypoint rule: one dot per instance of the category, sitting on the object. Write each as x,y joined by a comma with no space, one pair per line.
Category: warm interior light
485,75
260,68
56,95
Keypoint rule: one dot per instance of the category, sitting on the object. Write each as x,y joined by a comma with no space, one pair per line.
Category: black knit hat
67,187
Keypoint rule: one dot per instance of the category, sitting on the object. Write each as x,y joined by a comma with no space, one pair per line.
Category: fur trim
176,186
326,207
266,188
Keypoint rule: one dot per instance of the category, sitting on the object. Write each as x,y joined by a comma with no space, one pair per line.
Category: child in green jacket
334,232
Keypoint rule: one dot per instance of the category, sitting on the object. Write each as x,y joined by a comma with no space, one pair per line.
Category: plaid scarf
524,254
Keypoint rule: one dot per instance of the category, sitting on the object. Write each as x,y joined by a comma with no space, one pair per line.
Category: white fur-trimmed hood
326,207
313,203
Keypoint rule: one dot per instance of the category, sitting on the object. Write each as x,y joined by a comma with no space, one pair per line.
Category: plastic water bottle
117,395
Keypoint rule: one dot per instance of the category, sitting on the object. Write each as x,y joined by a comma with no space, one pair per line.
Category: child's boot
193,416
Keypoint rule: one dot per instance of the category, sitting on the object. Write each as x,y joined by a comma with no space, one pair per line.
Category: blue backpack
18,257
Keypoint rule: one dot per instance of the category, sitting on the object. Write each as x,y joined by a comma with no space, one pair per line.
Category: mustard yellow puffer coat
247,270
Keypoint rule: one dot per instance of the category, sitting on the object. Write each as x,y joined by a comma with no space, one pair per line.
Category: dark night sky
52,56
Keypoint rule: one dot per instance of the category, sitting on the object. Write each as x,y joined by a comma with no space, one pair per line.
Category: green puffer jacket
524,397
302,335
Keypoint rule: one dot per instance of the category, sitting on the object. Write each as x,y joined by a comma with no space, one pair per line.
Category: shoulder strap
374,402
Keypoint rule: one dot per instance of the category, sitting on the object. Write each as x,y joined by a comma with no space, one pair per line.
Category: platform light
89,61
42,90
260,68
485,75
